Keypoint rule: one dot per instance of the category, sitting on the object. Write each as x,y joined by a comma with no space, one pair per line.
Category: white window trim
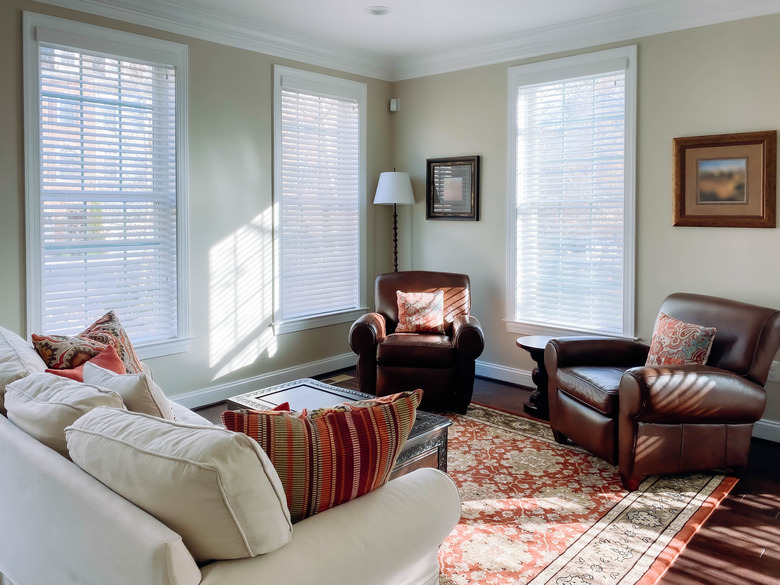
89,37
340,88
560,69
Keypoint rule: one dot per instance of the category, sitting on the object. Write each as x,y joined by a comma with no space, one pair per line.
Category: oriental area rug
536,512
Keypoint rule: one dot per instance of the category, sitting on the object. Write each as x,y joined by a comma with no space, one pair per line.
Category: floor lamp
394,189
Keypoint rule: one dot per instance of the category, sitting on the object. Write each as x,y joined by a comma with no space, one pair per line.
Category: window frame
287,77
76,35
562,69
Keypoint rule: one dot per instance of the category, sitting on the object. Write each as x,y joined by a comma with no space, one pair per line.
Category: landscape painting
722,181
726,180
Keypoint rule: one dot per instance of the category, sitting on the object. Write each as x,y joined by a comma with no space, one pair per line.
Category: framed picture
726,180
452,188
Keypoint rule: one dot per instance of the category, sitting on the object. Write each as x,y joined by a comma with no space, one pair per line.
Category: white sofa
60,526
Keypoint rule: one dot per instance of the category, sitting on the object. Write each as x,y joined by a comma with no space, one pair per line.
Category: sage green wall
710,80
230,125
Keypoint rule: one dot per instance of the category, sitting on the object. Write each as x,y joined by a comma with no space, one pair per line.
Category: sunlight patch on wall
254,347
241,297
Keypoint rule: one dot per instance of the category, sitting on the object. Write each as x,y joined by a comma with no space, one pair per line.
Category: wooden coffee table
425,447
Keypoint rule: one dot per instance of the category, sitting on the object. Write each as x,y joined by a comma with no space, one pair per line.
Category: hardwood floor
739,543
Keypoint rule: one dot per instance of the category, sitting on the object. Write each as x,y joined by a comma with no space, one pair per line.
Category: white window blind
318,200
572,261
107,192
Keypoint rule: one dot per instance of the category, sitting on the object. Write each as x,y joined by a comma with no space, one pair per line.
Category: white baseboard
213,394
767,429
222,392
763,429
504,374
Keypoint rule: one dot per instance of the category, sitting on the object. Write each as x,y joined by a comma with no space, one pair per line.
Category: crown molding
210,25
660,17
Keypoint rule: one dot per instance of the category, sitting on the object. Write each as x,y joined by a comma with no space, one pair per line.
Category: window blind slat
108,157
569,183
319,204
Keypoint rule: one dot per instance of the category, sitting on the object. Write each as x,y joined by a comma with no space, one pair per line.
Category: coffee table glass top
312,394
304,395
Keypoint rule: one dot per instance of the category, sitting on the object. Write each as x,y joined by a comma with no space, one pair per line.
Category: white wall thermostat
395,105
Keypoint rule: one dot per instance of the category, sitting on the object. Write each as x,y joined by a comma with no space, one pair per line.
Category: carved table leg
537,405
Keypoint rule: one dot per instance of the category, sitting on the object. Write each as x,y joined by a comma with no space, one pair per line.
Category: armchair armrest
367,332
566,352
467,336
689,393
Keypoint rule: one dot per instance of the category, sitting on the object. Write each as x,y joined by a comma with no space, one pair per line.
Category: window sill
154,349
281,327
523,328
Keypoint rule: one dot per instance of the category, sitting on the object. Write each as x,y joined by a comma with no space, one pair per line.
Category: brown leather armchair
442,365
666,419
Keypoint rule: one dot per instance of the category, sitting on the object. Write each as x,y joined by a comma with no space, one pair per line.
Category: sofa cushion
138,391
423,350
108,359
420,312
332,455
676,342
215,488
43,404
17,360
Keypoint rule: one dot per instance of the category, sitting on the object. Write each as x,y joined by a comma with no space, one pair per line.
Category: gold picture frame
726,180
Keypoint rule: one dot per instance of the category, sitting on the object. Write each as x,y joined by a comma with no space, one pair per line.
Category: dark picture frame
726,180
452,188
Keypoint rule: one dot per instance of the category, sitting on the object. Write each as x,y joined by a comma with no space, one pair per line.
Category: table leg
537,404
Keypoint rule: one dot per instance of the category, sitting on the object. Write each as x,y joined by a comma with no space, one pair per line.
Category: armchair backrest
748,336
456,287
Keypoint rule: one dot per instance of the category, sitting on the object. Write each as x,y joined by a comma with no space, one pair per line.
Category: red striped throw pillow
332,455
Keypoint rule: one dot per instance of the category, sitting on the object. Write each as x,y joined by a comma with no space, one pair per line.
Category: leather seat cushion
595,386
416,350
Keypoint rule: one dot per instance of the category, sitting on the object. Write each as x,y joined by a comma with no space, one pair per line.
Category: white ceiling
411,26
419,37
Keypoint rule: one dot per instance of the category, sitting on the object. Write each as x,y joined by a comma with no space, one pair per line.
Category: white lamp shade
394,188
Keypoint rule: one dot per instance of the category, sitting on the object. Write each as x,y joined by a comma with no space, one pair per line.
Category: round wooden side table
537,404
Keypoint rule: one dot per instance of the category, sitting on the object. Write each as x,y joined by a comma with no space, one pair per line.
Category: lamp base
395,239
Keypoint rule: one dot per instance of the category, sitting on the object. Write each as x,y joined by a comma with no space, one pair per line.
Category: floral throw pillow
67,352
107,359
109,330
676,342
420,312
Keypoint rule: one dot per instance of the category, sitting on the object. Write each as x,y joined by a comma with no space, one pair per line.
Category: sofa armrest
689,393
467,336
390,535
187,416
566,352
367,332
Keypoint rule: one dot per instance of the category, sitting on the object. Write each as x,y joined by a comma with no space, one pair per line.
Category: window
319,198
571,180
106,182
